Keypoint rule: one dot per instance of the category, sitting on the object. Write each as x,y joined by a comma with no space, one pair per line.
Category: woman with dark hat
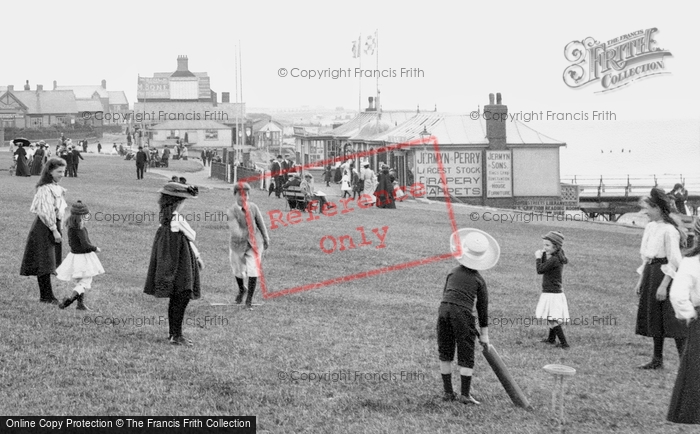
679,195
42,253
661,257
685,299
21,153
173,271
385,190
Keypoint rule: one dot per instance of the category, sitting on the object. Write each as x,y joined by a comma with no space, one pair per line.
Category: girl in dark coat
173,271
42,253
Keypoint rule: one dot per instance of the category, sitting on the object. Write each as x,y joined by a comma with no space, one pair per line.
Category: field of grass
371,343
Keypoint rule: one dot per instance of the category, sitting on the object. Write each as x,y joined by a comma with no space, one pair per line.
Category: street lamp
424,136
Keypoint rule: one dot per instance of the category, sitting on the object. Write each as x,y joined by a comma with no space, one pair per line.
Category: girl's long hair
560,254
74,221
665,208
168,204
49,167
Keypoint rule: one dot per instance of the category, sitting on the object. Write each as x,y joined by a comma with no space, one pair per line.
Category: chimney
26,85
39,87
225,97
371,104
496,116
10,87
104,84
182,63
55,85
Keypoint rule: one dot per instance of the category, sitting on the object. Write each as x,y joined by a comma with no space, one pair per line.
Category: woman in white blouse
685,298
42,253
661,256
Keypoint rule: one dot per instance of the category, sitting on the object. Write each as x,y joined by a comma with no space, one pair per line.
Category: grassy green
55,362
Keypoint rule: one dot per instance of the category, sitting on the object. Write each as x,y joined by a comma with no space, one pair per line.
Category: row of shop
487,161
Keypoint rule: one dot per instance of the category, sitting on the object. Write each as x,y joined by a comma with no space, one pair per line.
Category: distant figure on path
141,160
385,190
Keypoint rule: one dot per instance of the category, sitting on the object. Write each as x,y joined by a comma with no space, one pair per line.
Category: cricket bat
499,368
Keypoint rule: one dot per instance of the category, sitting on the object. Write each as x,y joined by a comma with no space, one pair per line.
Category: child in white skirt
81,264
552,305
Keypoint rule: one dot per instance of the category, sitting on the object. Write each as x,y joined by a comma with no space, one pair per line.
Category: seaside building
184,102
492,161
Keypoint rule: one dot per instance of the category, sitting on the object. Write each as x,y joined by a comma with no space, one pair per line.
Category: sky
465,50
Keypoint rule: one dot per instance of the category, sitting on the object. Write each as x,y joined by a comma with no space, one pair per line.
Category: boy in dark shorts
456,327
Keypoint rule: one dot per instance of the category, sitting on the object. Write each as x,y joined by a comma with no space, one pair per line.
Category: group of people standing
382,187
175,263
207,155
29,158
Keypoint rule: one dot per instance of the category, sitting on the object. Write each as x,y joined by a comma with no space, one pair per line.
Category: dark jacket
551,268
141,158
79,241
76,156
173,267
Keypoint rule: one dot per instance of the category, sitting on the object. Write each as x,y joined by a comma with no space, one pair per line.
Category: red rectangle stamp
348,216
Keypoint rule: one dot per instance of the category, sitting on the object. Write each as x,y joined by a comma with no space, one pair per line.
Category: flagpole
376,37
359,55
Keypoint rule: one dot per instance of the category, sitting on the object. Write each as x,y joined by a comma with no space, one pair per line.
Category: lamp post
424,136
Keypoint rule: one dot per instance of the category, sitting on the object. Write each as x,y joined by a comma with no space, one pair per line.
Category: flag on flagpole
356,48
371,43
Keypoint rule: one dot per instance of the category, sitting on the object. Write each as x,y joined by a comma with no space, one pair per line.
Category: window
211,134
37,122
173,134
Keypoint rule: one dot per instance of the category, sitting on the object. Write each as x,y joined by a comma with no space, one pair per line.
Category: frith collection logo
615,63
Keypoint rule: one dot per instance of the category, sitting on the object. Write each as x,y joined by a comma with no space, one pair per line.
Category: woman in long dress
22,167
385,190
685,299
661,257
370,181
39,160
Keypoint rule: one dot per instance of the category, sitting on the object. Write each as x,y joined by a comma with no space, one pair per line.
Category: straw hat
480,251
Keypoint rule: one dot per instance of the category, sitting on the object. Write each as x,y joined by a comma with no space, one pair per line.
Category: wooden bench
294,194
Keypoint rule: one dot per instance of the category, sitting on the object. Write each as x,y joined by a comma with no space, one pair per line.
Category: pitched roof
266,125
117,97
354,127
85,91
89,105
460,129
190,125
48,101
